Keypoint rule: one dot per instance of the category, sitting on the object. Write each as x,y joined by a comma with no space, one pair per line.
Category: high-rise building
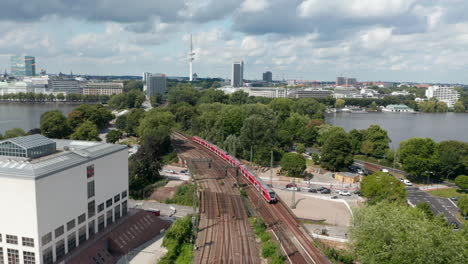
445,94
267,76
155,83
23,66
340,80
57,194
351,81
237,74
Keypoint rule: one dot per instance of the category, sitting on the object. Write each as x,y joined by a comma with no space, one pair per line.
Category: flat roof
70,153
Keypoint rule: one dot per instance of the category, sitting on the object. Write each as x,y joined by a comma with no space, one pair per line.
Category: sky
386,40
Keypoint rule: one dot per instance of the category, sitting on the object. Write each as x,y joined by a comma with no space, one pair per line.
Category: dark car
325,191
313,190
289,185
334,197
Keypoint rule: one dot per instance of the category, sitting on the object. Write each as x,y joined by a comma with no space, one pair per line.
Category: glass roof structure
33,146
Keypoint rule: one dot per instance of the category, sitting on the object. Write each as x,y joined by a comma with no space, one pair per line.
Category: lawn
447,193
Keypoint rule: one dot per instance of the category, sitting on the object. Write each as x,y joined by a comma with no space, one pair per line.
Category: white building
15,88
397,108
102,88
445,94
237,77
56,194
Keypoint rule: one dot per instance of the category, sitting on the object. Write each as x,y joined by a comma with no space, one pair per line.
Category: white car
169,171
384,170
344,193
305,188
293,189
407,183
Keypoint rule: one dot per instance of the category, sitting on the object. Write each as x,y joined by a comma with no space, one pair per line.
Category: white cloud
254,5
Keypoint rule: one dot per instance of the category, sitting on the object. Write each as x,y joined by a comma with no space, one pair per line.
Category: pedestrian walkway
165,209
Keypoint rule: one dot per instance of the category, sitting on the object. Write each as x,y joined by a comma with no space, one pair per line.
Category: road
439,205
166,209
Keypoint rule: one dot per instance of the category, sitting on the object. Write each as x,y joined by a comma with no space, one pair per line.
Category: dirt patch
162,193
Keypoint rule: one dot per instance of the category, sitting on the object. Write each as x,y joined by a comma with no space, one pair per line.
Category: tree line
38,97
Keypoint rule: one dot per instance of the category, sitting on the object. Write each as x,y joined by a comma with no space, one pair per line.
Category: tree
133,85
337,152
232,144
452,158
212,96
462,182
15,132
33,131
155,118
459,107
300,148
113,136
393,233
182,94
121,122
463,205
340,103
418,157
357,136
310,107
86,131
315,158
326,131
75,118
374,106
157,99
426,208
133,120
54,125
441,107
257,131
284,139
238,98
281,107
295,123
380,186
375,142
293,163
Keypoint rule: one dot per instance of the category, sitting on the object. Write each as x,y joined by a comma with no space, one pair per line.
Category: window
124,194
60,249
0,237
101,208
82,235
71,225
124,208
28,242
1,256
12,239
91,191
13,256
28,257
100,223
117,198
59,231
47,256
91,209
91,228
90,171
81,219
71,241
117,212
109,217
46,238
109,203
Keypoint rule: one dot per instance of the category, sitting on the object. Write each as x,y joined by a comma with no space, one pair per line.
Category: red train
265,190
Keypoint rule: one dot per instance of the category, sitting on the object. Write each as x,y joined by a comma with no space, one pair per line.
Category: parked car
289,185
384,170
312,190
325,191
455,199
169,171
293,189
401,179
334,197
344,193
407,183
305,188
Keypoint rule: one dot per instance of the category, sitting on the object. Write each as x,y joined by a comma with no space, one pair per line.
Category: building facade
155,83
237,74
340,80
446,94
397,108
23,66
270,92
64,86
56,194
312,93
15,88
102,88
267,76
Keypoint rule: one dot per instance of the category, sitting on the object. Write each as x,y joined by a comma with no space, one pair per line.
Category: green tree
337,152
462,182
238,98
357,136
257,131
184,114
315,158
380,186
121,122
284,138
399,234
133,120
293,163
376,141
428,106
14,132
75,118
441,107
452,158
154,119
295,124
113,136
326,131
426,208
209,96
418,157
54,124
157,99
310,107
133,85
374,106
300,148
182,94
281,107
232,144
463,205
86,131
459,107
340,103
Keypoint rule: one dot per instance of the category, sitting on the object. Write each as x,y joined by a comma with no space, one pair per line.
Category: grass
184,195
129,141
447,193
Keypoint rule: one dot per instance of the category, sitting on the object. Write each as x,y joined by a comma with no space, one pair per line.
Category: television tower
191,59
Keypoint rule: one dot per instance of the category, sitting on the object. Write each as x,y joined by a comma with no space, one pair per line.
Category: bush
463,205
269,249
462,182
184,195
264,237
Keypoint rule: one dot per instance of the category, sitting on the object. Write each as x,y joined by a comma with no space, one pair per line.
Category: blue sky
399,40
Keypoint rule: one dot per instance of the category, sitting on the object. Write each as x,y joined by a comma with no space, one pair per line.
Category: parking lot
439,205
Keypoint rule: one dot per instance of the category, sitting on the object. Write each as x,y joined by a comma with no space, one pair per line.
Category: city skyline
421,41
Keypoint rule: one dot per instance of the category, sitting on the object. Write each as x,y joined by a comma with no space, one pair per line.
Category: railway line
296,243
225,235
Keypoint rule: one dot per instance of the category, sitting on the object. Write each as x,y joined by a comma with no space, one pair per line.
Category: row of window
84,233
26,241
13,256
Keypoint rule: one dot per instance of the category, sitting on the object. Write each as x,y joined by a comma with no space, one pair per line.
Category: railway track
225,235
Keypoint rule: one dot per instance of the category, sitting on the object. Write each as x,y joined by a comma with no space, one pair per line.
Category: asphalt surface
439,205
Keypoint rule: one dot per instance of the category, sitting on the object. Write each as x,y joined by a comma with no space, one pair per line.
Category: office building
309,93
23,66
351,81
340,81
102,88
446,94
267,76
237,74
65,86
15,88
56,194
270,92
155,83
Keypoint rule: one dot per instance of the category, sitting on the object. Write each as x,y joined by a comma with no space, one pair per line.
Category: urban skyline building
237,74
23,66
340,81
155,83
267,76
446,94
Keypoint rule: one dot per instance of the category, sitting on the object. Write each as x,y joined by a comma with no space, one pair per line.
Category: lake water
27,116
401,126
